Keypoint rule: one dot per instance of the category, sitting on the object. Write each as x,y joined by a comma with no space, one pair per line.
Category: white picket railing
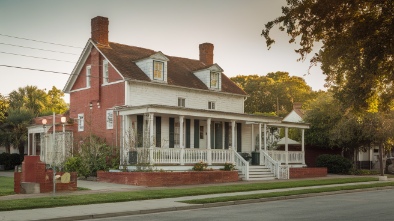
183,156
293,156
241,164
270,163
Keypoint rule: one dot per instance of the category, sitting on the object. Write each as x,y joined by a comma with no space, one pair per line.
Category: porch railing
183,156
273,165
293,156
241,164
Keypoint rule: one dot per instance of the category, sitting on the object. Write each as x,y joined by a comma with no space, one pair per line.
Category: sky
174,27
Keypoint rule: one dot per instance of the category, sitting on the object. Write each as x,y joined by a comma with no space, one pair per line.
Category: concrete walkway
81,212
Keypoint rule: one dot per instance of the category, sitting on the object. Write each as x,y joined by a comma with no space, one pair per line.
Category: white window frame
161,78
214,78
81,122
110,119
105,72
181,102
88,75
211,105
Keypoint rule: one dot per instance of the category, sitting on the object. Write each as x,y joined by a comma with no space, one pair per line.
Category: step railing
241,164
270,163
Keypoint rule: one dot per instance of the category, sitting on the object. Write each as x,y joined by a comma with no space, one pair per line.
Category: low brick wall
33,171
308,172
155,179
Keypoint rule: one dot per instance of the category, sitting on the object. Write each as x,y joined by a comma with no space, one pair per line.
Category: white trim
80,89
115,82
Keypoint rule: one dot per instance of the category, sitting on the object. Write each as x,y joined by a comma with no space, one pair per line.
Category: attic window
88,70
158,70
214,80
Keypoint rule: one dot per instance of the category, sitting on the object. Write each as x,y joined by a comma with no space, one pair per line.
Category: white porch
168,136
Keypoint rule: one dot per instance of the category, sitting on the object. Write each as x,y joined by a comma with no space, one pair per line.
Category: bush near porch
155,179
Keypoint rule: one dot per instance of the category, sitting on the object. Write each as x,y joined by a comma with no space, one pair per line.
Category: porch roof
290,125
198,113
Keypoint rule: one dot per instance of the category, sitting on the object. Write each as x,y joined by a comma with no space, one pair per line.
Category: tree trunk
381,159
21,148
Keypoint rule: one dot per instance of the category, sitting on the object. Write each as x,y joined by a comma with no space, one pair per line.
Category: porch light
63,120
44,121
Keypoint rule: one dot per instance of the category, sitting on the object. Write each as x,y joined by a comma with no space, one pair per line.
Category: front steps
259,173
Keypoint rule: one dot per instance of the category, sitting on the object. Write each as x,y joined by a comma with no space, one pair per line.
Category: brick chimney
297,106
206,53
100,30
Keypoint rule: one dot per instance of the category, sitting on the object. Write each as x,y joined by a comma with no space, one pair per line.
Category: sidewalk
81,212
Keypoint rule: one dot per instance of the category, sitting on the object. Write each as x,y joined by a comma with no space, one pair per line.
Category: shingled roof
179,70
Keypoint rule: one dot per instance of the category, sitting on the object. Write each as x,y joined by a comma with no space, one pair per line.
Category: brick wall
168,178
102,97
35,171
308,172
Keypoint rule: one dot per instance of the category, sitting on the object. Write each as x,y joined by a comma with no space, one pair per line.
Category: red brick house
182,110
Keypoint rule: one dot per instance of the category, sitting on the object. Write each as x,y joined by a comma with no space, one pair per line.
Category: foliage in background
93,155
335,163
11,160
22,105
273,93
356,40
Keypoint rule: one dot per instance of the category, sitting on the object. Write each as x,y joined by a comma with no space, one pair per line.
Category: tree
4,103
275,92
14,130
56,102
357,39
29,97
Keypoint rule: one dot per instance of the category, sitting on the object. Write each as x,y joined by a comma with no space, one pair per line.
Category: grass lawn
6,186
46,202
287,193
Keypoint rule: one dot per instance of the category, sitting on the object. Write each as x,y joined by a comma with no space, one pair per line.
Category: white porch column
259,137
181,118
34,145
151,131
151,139
233,135
223,134
287,145
265,137
303,145
28,144
209,156
253,140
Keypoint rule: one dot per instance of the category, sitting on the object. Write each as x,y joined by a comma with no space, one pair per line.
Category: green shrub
334,163
363,172
94,155
229,167
201,166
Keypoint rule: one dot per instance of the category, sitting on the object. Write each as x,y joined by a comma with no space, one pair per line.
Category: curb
212,205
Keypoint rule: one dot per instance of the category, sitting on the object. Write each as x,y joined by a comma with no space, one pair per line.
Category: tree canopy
357,38
275,92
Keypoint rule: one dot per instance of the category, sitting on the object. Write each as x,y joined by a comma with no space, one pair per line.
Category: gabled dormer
155,67
211,77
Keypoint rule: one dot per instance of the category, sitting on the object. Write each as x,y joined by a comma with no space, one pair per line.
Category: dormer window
158,70
214,80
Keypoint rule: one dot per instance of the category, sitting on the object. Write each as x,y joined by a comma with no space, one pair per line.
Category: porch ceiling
196,113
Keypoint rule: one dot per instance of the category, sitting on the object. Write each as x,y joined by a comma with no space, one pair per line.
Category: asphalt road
372,205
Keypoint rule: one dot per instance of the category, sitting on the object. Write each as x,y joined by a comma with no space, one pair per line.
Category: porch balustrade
183,156
294,157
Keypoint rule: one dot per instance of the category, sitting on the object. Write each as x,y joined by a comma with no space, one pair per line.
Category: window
201,132
211,105
181,102
81,122
110,119
214,80
105,72
158,70
88,68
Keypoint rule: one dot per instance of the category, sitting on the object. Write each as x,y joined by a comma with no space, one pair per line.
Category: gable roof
179,70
